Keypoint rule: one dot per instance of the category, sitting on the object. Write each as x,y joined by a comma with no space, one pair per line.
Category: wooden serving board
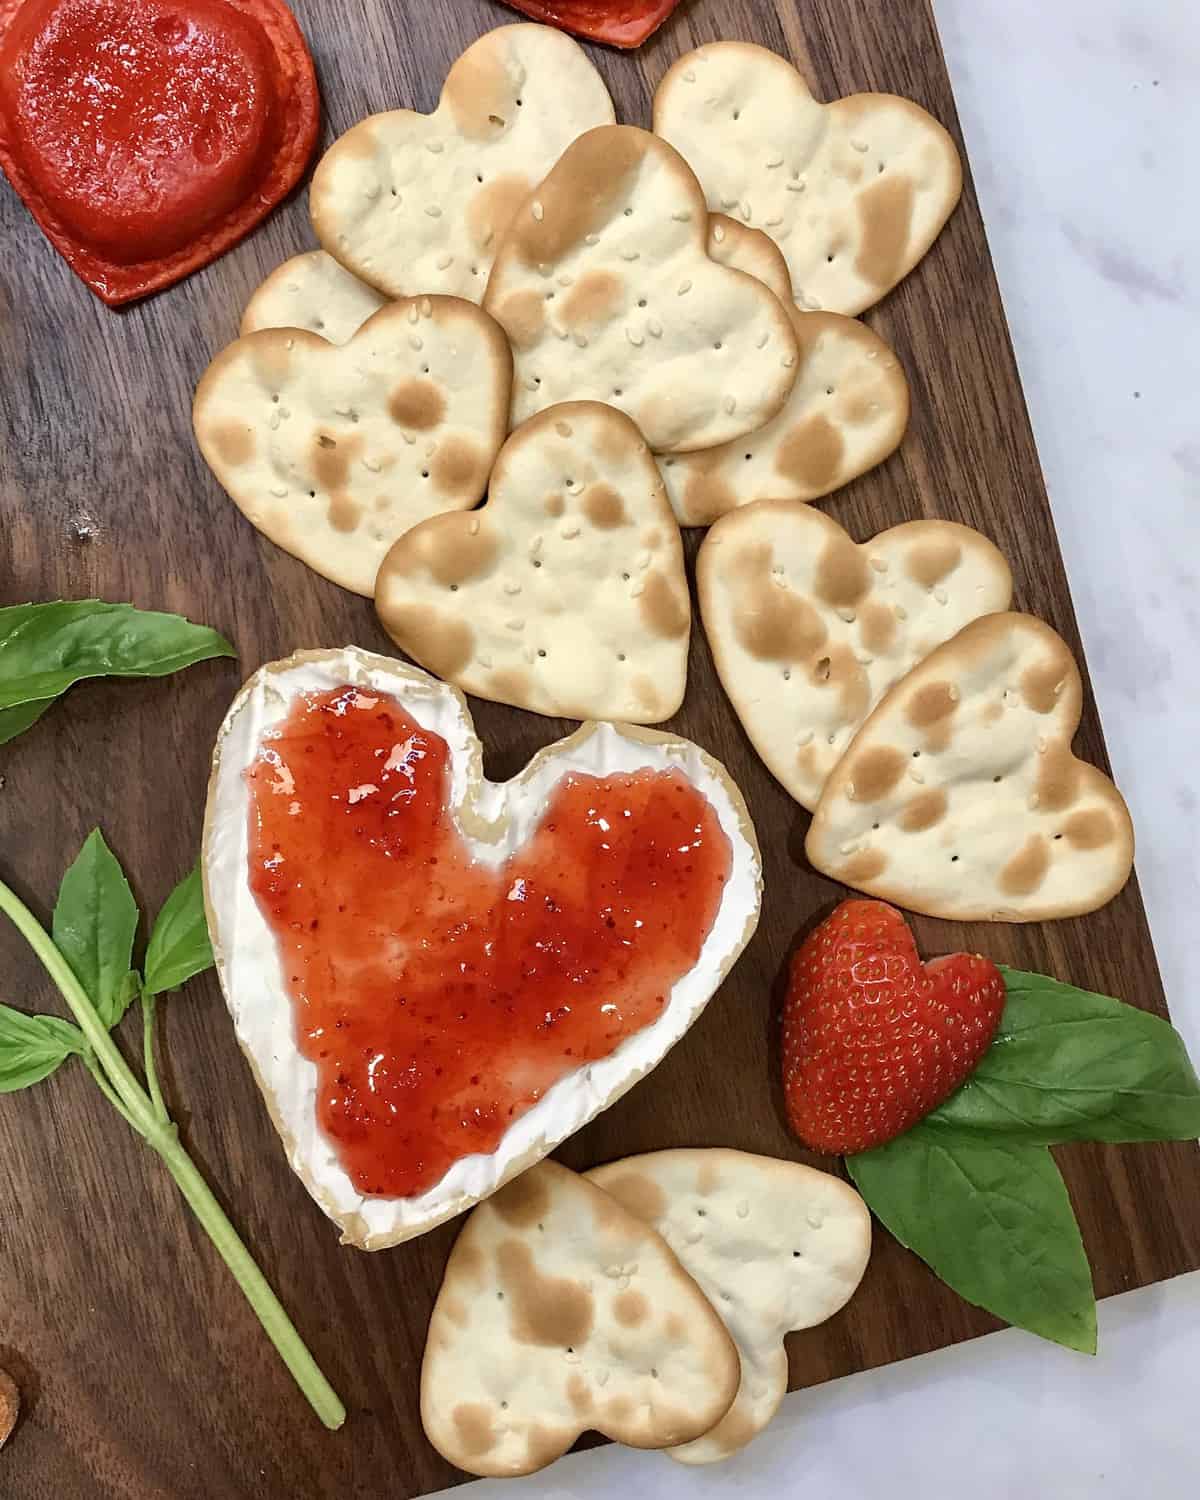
143,1372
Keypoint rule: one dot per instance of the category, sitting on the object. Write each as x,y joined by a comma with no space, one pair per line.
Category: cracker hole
641,302
874,827
326,442
424,473
424,369
749,456
496,120
737,114
499,1296
829,390
454,590
312,494
318,323
1058,835
620,656
718,345
833,739
653,1373
624,577
504,1406
275,397
795,1255
997,779
537,562
617,391
879,166
475,271
520,105
549,296
954,859
829,259
823,669
541,652
629,213
478,176
787,674
570,1349
395,194
702,1213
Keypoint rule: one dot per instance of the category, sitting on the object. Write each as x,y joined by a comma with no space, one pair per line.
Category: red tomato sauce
439,996
147,136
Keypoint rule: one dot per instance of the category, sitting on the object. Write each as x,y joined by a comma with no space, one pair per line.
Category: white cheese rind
495,819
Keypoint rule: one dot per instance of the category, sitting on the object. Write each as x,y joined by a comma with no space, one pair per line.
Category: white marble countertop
1082,119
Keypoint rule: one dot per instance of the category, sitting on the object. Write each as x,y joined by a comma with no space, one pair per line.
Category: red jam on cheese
147,136
441,996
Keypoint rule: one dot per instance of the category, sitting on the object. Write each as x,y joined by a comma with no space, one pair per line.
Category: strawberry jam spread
441,996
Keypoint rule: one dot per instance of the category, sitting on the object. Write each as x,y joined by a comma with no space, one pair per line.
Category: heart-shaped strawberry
873,1039
438,979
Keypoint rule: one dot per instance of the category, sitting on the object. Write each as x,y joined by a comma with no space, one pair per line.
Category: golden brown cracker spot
1057,778
594,178
457,466
456,1311
579,1394
885,223
595,298
522,315
555,505
1026,870
416,405
924,811
929,562
1041,685
842,670
550,1311
877,625
1091,828
331,457
867,864
440,642
630,1308
843,577
345,514
931,704
662,610
523,1201
510,685
643,689
457,549
877,771
473,1424
544,1445
493,208
771,623
640,1194
233,442
480,95
811,454
603,507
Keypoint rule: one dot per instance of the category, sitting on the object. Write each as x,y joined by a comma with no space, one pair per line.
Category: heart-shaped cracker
565,594
960,797
335,452
416,203
560,1312
605,287
846,412
774,1246
808,631
855,191
312,291
497,820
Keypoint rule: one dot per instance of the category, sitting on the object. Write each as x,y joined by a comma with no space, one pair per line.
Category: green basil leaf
95,919
1069,1065
993,1220
44,648
179,946
31,1047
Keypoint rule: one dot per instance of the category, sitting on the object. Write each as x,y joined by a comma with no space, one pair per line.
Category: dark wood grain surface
144,1374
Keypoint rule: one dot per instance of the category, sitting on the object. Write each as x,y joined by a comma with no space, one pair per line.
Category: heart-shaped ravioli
854,192
809,631
334,452
606,289
773,1245
437,978
960,797
565,594
417,203
312,291
561,1312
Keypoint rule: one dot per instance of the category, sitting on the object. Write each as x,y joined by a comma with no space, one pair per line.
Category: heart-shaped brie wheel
960,796
418,203
565,594
436,978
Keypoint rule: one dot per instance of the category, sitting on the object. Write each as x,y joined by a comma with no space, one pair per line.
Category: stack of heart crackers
648,1300
613,333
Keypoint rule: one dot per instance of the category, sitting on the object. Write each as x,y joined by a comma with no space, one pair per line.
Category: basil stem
119,1084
